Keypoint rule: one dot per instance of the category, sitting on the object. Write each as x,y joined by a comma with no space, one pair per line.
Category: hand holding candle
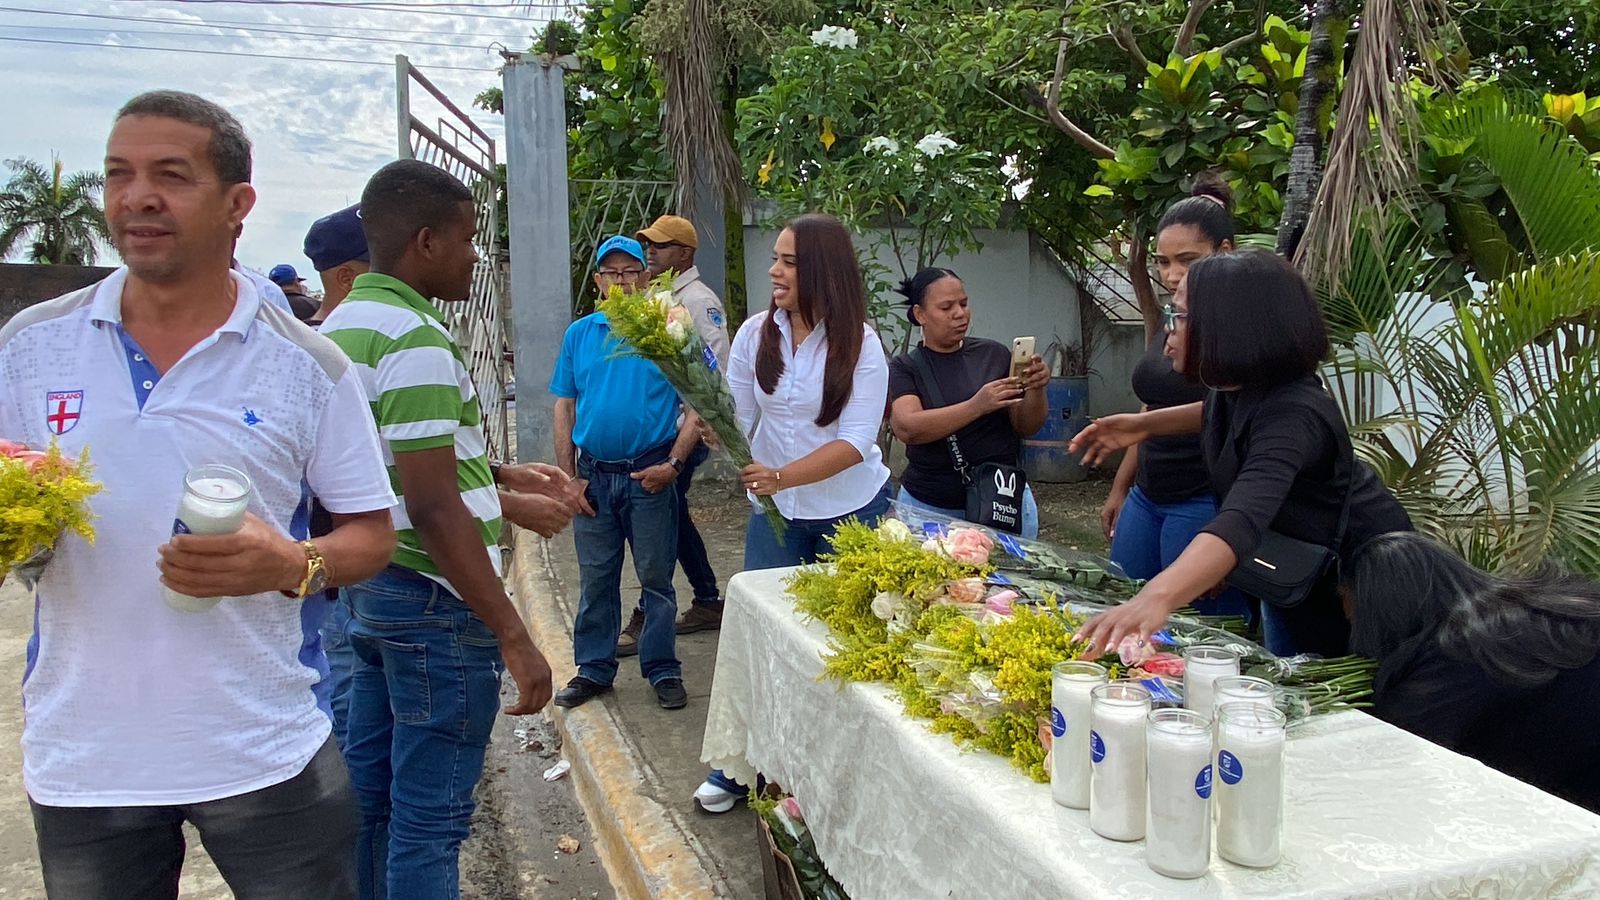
256,559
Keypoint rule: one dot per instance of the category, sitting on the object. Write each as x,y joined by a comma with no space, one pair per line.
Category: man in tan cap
670,243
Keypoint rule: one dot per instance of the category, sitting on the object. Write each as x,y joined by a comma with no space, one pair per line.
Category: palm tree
60,215
1479,400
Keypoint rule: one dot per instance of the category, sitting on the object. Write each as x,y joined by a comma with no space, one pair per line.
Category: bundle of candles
1152,773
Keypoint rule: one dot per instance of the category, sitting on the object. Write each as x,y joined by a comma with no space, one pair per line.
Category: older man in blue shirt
622,436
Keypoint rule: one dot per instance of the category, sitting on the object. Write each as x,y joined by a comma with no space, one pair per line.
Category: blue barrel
1044,456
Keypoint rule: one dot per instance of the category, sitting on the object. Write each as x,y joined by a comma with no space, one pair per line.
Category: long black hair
1521,630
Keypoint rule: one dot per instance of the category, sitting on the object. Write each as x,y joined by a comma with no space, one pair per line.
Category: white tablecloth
899,812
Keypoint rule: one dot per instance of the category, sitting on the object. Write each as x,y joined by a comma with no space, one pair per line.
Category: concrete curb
645,853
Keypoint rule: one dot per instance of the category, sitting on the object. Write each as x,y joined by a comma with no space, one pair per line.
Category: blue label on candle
1162,637
1011,546
179,528
1202,783
933,529
1229,767
1058,722
1097,747
998,578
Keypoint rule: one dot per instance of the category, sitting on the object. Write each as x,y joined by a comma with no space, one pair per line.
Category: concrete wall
1118,348
1016,287
22,285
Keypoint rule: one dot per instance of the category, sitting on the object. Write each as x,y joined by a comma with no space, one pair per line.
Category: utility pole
540,233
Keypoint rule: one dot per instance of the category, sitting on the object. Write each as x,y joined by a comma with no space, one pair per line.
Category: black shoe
671,694
579,691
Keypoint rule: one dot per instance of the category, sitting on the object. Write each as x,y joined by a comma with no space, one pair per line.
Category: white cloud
319,129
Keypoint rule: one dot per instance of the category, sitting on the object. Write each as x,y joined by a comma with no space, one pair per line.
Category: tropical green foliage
56,217
1469,368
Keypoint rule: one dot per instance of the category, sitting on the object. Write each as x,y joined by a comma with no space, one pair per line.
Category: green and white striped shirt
422,397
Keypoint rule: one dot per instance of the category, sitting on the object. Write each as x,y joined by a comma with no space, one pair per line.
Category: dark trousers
691,548
290,841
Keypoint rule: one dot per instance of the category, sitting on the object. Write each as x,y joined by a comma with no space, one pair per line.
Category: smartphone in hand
1021,355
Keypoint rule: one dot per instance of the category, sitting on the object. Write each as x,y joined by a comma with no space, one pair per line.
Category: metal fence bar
478,324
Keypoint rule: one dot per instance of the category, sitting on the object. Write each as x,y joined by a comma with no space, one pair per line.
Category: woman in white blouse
811,377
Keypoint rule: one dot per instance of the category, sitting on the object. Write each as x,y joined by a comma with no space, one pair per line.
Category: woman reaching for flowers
814,373
1246,326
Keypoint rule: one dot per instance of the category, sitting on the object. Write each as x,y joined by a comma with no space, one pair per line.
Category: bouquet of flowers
653,327
43,495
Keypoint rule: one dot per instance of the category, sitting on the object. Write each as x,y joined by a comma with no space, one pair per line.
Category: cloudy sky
321,120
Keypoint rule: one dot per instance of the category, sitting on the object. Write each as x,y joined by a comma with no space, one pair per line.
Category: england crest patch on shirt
62,410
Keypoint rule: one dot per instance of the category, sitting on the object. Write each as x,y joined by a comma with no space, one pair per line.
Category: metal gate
601,209
480,325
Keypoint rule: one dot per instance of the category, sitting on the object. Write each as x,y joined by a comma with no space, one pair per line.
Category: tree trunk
1139,276
1305,161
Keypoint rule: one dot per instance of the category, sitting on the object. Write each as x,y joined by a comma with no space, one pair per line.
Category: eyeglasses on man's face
616,274
1172,318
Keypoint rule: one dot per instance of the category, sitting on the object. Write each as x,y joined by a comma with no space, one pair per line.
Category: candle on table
1071,684
1117,751
1202,666
1178,829
1249,784
214,501
1243,689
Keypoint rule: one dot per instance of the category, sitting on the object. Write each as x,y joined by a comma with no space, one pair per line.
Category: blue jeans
692,557
910,504
1150,536
625,513
423,699
341,664
803,539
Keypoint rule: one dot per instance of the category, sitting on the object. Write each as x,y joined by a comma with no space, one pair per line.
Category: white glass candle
1243,689
214,502
1071,684
1178,828
1116,749
1249,784
1202,666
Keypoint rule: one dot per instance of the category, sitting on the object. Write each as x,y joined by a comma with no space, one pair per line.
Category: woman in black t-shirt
1162,495
1246,326
988,411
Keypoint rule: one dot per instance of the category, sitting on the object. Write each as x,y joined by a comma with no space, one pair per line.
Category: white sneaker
711,798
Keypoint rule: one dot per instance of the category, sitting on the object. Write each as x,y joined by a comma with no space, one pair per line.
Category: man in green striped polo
431,632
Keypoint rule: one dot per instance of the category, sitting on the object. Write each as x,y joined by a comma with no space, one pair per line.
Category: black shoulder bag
1284,570
994,490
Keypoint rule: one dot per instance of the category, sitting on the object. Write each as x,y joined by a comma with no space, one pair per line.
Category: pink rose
1134,651
970,546
965,590
1000,604
1164,664
791,808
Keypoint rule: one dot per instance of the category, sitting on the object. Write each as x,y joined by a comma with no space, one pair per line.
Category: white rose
886,604
676,331
894,530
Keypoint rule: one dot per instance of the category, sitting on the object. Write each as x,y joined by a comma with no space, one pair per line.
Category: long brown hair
832,294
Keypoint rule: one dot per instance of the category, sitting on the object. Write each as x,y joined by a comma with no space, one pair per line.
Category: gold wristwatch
317,573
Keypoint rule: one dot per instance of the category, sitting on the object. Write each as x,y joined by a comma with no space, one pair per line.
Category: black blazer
1277,457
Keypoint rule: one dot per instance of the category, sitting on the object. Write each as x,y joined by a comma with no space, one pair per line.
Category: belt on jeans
625,466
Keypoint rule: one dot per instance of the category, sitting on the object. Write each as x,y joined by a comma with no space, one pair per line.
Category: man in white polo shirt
140,716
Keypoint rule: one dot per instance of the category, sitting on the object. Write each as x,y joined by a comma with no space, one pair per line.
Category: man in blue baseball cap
337,248
294,290
622,436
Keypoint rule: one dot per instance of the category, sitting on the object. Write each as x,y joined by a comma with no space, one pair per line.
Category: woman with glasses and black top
953,384
1296,504
1162,494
